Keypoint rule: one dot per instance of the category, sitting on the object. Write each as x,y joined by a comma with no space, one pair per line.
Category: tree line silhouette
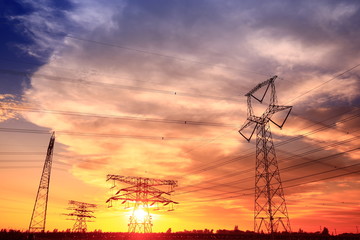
184,235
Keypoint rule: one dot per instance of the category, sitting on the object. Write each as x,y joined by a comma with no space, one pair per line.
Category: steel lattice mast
38,217
270,211
143,193
82,212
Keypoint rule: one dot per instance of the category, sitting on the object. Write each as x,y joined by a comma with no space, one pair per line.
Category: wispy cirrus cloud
7,103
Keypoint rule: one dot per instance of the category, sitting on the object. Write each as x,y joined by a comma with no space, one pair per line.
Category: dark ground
14,235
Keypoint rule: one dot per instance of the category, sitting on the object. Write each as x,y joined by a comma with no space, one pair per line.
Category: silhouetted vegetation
185,235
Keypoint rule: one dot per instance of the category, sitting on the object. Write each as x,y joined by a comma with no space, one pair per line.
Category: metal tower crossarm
136,180
132,197
143,193
143,186
269,112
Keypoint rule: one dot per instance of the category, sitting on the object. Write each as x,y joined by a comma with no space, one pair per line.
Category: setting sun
140,215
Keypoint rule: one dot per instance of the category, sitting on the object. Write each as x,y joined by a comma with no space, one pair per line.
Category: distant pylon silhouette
81,212
270,211
143,194
38,217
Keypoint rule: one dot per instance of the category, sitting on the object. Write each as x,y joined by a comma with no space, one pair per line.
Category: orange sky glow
118,98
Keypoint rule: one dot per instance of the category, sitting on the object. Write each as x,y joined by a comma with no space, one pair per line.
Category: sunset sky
117,80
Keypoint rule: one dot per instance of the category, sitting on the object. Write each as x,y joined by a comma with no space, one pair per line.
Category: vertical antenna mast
270,212
38,217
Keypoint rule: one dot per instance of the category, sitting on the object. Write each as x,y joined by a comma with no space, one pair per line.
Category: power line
29,167
31,131
31,161
161,138
112,85
161,55
21,153
208,141
119,117
220,162
153,53
137,136
324,83
318,86
295,185
75,70
321,148
290,140
127,136
248,170
288,159
146,89
104,135
351,117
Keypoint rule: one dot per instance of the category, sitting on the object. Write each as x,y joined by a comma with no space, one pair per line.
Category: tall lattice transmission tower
38,217
270,211
81,212
143,193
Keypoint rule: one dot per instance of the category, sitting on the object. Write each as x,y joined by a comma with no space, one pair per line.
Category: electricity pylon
270,212
82,212
144,194
38,217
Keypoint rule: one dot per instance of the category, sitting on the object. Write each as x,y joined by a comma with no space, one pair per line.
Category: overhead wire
309,90
77,71
346,71
112,135
27,153
137,50
103,135
113,85
221,162
30,161
284,187
345,119
93,73
213,187
317,149
118,117
323,83
21,153
331,145
293,155
329,80
161,138
155,53
30,167
291,100
325,120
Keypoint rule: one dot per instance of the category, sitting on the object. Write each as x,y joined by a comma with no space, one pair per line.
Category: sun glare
140,214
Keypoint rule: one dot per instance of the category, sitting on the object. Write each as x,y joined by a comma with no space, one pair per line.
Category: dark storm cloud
197,30
313,24
27,37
